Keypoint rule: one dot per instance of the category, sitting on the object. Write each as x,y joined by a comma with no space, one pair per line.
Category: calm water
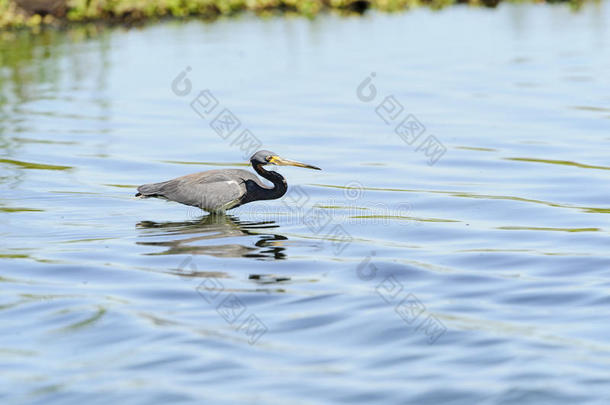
480,279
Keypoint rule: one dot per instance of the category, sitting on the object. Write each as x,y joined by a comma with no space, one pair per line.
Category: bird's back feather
213,191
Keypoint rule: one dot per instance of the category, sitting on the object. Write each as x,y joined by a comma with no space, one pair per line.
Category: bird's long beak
276,160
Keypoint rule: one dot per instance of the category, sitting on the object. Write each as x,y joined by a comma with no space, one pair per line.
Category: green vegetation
33,13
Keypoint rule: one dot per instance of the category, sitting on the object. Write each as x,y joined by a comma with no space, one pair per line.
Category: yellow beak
276,160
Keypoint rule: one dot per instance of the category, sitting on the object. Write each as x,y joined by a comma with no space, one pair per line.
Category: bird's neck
279,182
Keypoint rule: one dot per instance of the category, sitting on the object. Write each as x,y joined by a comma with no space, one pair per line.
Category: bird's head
265,157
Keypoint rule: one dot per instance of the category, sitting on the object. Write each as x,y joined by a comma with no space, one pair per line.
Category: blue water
465,262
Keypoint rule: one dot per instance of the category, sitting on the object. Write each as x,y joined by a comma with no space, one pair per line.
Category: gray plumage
221,190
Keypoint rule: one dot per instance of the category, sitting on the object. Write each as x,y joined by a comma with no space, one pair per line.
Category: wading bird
217,191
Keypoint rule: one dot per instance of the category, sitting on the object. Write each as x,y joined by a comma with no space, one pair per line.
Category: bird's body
212,191
217,191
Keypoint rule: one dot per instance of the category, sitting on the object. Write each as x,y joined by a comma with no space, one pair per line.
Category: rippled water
479,279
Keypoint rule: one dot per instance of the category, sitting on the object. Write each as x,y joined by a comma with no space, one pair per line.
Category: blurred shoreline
15,14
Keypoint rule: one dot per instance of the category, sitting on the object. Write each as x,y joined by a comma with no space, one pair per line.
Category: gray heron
217,191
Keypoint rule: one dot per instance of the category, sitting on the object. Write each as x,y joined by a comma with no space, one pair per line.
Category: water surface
481,278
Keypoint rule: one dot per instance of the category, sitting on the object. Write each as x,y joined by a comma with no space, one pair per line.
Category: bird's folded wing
212,193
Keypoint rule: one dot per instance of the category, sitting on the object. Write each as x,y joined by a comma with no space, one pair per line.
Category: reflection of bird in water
209,229
221,190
